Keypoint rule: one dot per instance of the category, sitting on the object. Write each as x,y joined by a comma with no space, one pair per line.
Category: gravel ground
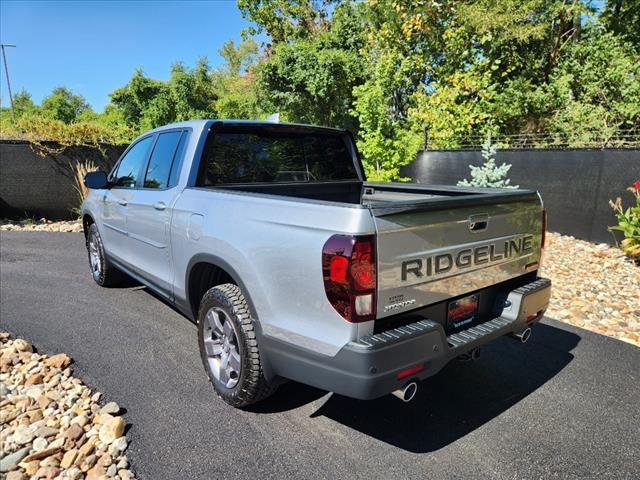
42,225
52,424
595,287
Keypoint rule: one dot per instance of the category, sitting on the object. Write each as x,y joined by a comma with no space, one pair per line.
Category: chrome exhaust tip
523,336
407,392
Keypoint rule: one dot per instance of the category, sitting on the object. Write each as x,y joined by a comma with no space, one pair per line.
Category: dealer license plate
462,312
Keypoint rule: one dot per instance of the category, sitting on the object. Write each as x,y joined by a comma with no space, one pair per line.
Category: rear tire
102,271
229,348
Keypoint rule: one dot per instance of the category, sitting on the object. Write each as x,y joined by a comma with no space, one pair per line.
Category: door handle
122,202
159,206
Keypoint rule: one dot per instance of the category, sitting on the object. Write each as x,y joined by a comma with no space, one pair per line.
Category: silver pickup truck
295,267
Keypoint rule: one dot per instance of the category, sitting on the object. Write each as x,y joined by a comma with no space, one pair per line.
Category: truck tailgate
427,255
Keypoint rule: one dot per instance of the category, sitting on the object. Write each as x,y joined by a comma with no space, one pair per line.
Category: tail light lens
349,272
410,371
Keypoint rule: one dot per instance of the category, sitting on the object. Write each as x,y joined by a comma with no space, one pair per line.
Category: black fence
576,185
36,186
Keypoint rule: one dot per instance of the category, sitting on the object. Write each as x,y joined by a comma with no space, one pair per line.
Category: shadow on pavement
448,406
461,398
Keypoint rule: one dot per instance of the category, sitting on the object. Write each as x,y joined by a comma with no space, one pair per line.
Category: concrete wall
31,185
575,185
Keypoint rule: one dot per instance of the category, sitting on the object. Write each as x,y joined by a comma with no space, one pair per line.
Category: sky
93,47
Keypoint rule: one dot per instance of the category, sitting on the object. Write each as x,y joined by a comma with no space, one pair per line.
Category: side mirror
96,180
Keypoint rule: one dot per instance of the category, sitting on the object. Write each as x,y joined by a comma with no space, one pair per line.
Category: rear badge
399,305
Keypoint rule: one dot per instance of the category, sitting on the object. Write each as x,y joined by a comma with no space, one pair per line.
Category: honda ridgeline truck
294,266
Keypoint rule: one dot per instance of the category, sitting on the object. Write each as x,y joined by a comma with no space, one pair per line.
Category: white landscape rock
52,424
41,225
594,287
22,435
111,408
118,446
40,444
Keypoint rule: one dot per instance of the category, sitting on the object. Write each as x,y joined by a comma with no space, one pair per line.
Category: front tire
102,272
229,348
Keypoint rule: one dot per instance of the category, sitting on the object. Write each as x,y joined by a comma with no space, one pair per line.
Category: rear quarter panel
274,245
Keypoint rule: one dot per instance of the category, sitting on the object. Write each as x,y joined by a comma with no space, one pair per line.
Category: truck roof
199,124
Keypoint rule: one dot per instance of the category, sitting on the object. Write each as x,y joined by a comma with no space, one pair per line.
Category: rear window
261,155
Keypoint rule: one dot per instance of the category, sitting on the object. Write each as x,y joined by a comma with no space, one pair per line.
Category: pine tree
489,174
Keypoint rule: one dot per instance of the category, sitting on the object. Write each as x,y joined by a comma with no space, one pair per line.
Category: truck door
149,212
117,198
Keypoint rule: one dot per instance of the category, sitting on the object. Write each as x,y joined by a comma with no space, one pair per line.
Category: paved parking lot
565,405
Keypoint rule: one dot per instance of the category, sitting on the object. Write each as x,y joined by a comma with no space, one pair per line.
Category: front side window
130,166
264,155
161,160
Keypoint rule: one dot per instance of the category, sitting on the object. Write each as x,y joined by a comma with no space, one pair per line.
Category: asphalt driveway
565,405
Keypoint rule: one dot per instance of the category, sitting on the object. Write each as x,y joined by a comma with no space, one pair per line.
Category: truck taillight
349,272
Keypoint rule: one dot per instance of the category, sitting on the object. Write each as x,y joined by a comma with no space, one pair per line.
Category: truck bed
382,196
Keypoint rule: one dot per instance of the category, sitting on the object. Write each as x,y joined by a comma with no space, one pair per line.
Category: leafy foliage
489,174
596,89
235,84
622,17
148,103
63,105
312,80
629,222
401,74
39,130
51,122
285,20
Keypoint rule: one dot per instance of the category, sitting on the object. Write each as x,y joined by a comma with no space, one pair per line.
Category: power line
6,71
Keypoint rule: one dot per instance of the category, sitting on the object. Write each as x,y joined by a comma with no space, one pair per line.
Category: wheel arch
87,221
205,271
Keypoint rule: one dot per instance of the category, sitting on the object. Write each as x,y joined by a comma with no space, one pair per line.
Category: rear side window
262,155
177,160
131,164
162,159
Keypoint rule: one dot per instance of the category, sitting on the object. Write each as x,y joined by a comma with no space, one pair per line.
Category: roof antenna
274,117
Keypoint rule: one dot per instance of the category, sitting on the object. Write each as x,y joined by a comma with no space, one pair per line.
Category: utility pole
6,71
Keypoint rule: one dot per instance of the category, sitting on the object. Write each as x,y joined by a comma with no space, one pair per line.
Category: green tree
63,105
596,88
234,82
285,20
134,99
241,58
622,18
23,104
385,138
310,84
403,41
310,78
147,103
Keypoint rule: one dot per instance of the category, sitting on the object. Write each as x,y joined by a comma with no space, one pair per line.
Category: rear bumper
368,368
